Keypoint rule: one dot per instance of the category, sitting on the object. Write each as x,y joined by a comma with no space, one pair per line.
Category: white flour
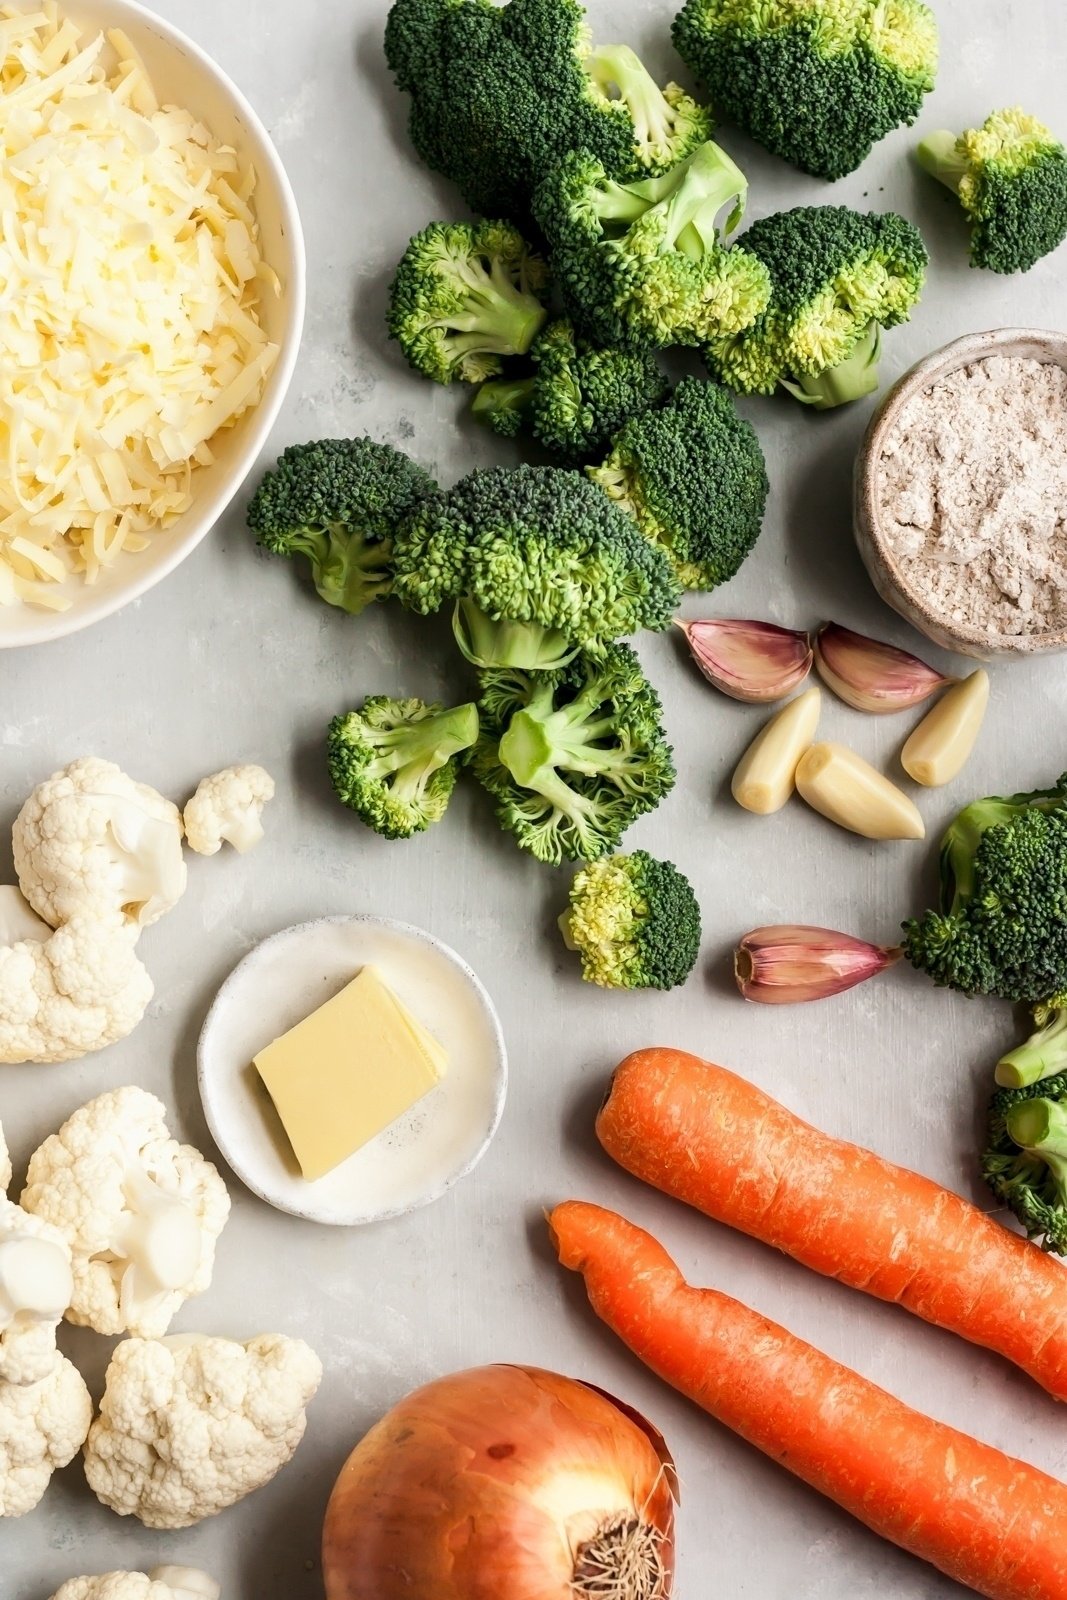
972,486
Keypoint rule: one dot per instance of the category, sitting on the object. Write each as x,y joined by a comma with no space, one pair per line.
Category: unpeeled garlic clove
766,774
787,965
844,788
871,676
941,745
753,661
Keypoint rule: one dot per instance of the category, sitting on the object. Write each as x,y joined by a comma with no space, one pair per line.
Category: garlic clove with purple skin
757,662
782,966
871,676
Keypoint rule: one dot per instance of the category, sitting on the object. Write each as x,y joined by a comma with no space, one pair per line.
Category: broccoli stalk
851,379
500,641
688,200
666,123
1042,1055
1040,1128
504,404
940,155
634,921
394,762
1025,1159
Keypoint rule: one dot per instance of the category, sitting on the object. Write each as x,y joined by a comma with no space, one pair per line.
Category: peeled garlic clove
841,786
766,773
941,745
787,965
871,676
753,661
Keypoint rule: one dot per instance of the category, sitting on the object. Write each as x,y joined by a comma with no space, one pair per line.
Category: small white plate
425,1152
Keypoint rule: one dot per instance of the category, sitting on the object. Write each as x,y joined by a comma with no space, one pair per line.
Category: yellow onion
784,966
504,1483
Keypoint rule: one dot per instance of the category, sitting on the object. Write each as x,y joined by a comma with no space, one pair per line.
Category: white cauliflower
35,1288
190,1425
162,1583
228,808
91,840
17,922
140,1212
82,989
42,1427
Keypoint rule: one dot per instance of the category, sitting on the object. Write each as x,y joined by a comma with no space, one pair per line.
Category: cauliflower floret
190,1425
90,840
162,1583
42,1427
35,1288
81,990
140,1212
228,807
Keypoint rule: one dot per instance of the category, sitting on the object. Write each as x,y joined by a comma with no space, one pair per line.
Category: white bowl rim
939,363
488,1009
61,624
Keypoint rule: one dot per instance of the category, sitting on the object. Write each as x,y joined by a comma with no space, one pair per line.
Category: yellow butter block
349,1070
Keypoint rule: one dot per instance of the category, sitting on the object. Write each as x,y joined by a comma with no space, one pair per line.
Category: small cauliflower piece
192,1424
228,808
140,1212
18,923
162,1583
35,1288
90,840
42,1427
80,990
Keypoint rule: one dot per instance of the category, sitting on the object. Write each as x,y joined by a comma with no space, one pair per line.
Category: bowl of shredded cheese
151,305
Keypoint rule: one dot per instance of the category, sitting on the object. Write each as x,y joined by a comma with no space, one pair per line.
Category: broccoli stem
620,74
939,156
1040,1128
348,571
850,380
531,754
959,847
414,751
502,317
503,403
692,195
499,642
1041,1056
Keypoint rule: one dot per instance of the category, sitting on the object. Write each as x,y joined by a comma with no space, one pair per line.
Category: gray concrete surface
232,658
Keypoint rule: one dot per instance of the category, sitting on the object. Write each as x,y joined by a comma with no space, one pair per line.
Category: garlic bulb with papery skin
793,963
871,676
757,662
507,1482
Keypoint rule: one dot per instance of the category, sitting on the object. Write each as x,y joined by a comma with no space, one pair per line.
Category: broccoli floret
837,278
573,757
395,762
337,501
1011,178
465,295
644,264
1043,1054
634,921
1025,1160
539,563
500,92
693,477
818,83
1002,925
577,397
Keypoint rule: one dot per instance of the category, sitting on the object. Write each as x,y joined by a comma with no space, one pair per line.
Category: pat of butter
349,1070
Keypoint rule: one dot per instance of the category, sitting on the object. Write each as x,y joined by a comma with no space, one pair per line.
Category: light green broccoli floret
634,921
394,763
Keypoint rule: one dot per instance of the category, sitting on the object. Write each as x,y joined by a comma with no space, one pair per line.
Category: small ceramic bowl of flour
961,494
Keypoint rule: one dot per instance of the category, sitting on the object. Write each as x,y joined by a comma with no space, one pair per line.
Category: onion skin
481,1486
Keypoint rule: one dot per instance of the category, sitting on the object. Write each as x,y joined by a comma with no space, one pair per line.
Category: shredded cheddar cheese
130,274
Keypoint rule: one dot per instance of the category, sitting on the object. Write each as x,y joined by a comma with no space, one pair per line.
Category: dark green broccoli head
1002,925
577,397
540,563
465,295
837,278
817,83
573,757
1025,1159
634,921
644,264
500,92
1011,178
693,477
395,762
337,501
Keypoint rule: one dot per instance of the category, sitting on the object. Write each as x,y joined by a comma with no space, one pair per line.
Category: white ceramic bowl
184,75
1034,344
421,1155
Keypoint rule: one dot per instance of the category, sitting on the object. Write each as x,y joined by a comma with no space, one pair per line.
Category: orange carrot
705,1136
978,1515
